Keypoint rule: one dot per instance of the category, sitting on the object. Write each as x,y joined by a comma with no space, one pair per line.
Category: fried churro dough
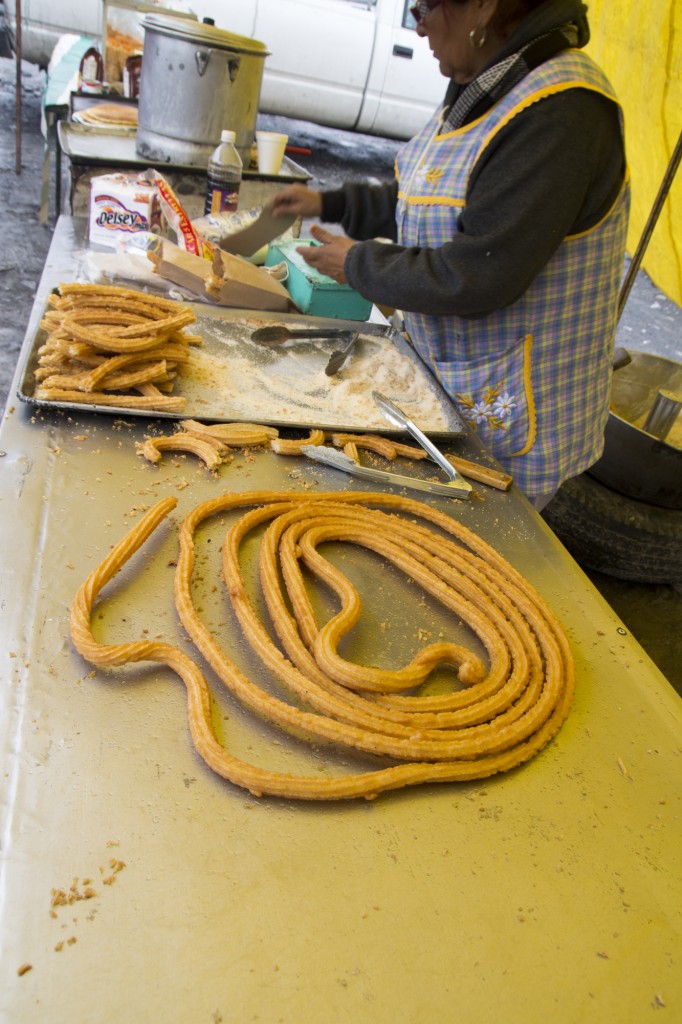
506,713
74,291
112,380
212,443
181,442
105,367
136,337
372,442
135,303
153,400
232,435
408,451
284,446
105,341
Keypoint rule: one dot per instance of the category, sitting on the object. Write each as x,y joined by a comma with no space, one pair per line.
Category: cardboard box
228,281
121,204
315,293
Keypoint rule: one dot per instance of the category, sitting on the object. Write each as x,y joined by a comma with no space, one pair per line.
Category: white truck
352,64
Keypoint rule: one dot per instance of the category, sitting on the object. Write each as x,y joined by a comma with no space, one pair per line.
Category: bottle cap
227,136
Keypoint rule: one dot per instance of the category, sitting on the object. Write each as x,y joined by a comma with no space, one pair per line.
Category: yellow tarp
639,46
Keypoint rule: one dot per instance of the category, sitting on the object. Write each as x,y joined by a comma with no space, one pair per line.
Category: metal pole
649,226
17,160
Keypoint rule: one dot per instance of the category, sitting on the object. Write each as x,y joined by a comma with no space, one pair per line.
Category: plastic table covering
552,892
61,81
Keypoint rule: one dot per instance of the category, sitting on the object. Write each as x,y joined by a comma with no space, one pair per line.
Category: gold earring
478,36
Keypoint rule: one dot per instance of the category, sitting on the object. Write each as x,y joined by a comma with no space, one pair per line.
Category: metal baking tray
97,145
231,378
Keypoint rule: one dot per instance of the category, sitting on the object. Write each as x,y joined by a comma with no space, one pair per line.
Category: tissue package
121,204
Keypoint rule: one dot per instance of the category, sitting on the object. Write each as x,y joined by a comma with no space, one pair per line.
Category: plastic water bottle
224,176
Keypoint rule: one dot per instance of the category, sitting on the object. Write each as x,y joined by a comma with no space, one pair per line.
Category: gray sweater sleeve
364,211
555,170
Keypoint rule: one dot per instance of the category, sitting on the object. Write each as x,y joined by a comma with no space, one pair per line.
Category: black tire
616,535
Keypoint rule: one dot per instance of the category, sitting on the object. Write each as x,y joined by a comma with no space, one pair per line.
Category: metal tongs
456,487
339,460
339,357
397,417
279,335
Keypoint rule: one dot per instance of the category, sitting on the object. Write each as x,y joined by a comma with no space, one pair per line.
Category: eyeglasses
422,8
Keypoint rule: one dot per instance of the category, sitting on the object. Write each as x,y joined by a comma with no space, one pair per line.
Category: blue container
315,293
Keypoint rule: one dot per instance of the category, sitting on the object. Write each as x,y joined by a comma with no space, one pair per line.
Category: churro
73,289
104,342
162,403
291,446
503,714
372,442
232,435
207,451
350,449
210,442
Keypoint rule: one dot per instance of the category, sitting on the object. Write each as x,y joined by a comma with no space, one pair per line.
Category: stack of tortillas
122,115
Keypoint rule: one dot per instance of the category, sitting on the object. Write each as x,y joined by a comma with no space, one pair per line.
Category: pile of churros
113,346
502,711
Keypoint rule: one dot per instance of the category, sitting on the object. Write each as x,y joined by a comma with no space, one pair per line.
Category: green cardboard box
315,293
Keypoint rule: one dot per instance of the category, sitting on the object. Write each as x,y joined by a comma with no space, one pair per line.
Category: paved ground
650,323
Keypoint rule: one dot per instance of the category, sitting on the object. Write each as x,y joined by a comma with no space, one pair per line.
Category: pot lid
202,33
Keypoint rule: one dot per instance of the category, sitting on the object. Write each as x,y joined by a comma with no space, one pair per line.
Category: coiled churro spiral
502,717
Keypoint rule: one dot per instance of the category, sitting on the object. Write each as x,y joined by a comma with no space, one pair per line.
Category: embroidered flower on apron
493,409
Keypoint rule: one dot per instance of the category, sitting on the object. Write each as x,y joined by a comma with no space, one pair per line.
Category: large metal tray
231,378
95,145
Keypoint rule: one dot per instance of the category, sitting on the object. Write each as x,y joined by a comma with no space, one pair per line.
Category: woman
508,218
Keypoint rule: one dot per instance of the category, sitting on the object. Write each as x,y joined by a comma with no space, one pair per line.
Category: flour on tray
233,376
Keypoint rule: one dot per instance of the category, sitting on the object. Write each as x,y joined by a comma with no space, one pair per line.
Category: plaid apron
532,379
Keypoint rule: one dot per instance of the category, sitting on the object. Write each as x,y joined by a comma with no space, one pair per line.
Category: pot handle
202,57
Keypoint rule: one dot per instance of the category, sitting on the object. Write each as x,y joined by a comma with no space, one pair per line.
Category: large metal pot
635,462
196,80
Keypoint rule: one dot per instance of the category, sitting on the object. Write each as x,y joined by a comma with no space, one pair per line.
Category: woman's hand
329,257
297,201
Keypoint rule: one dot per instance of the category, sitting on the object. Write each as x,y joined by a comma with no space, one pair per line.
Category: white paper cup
271,146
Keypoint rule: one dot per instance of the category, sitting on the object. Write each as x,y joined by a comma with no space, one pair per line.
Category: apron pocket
495,396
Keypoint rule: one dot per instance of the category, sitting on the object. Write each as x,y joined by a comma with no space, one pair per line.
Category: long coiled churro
505,714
